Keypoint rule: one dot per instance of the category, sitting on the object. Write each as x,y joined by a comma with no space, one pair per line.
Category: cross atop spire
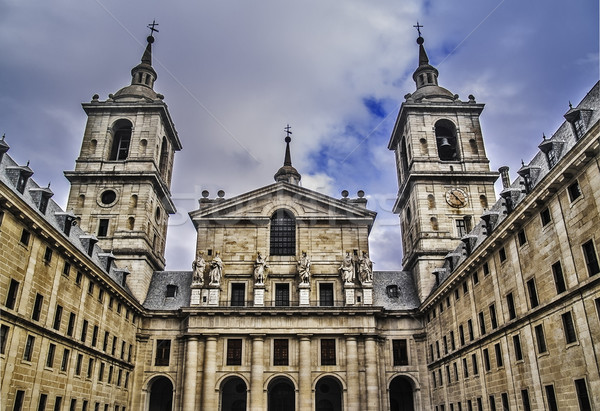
152,26
288,173
288,131
418,27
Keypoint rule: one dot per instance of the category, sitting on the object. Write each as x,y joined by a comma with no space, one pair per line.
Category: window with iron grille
283,233
328,351
282,295
234,351
280,352
238,294
326,294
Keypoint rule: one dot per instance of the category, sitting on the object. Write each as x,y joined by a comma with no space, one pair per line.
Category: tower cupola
288,173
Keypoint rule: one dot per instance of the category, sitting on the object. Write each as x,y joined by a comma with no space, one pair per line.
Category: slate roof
156,298
407,298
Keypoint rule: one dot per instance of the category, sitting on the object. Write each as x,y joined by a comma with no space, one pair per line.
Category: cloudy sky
234,73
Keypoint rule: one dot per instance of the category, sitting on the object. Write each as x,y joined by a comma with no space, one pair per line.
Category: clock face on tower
456,197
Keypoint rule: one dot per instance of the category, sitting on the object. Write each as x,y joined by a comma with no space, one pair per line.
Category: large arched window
445,137
328,395
281,395
283,233
121,140
233,395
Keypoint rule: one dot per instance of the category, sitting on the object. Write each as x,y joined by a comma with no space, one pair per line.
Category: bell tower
444,178
120,188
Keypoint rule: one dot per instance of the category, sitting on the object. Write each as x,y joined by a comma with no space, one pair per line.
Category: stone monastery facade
497,305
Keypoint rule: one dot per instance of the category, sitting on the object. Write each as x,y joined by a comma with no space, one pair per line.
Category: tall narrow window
505,404
283,233
282,295
540,339
50,357
545,216
582,395
163,352
574,191
238,294
492,403
481,323
78,364
11,297
25,235
559,279
525,399
58,403
84,328
517,345
486,359
465,366
280,351
18,405
103,227
470,327
498,351
121,141
28,352
591,258
328,356
533,298
400,352
3,337
510,304
446,140
326,294
569,328
71,324
493,318
551,398
65,360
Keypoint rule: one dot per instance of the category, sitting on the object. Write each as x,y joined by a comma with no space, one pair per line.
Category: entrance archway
328,395
161,394
233,394
401,394
281,395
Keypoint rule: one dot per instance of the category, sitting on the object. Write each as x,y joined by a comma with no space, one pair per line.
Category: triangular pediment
260,204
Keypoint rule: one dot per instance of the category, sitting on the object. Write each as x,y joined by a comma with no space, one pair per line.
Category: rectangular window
110,375
28,352
94,336
461,229
400,352
455,367
481,323
42,403
559,279
65,360
78,364
521,237
50,357
3,337
25,235
90,370
57,317
84,405
78,277
540,339
456,294
163,352
469,405
119,376
486,269
498,350
533,298
66,269
574,191
569,328
437,348
517,345
551,398
84,328
101,295
479,404
465,368
510,304
591,258
48,255
445,345
129,353
238,294
493,318
461,334
502,255
123,349
525,399
492,403
448,377
465,287
328,356
71,324
282,295
73,405
58,403
470,327
582,395
105,341
280,351
234,351
101,372
475,278
431,352
452,343
91,287
37,307
505,404
11,297
545,216
326,294
18,406
103,227
114,346
486,359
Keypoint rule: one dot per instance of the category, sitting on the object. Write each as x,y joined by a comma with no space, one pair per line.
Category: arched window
164,157
233,394
283,233
404,156
161,395
328,394
434,224
431,201
445,137
401,394
121,140
483,201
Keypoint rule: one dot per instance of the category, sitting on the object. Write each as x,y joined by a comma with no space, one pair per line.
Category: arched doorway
233,394
161,394
401,394
281,395
328,395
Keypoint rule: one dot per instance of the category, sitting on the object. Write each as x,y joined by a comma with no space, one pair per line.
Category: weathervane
418,27
154,24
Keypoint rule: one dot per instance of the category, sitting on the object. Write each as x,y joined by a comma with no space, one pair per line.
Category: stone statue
198,266
365,268
304,268
260,267
216,270
347,269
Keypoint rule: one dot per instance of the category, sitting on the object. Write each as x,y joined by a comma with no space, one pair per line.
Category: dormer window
171,291
121,140
578,118
392,291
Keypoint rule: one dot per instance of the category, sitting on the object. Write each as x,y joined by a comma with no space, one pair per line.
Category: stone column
210,368
305,375
352,373
372,374
191,372
256,373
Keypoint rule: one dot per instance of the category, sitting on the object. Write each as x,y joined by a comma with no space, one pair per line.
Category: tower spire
288,173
